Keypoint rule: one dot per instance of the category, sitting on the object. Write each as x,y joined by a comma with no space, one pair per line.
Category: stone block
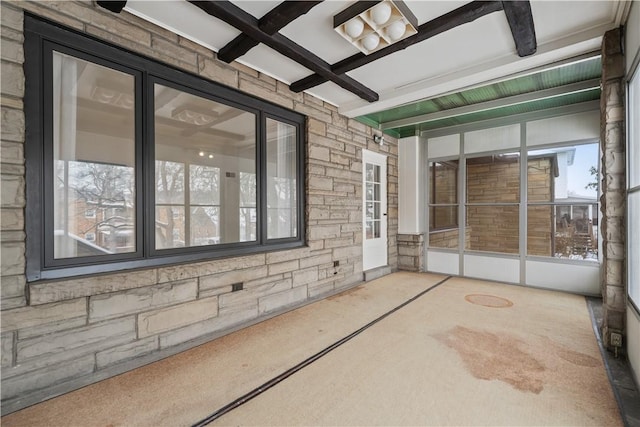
206,293
209,326
11,17
614,272
324,232
614,204
171,48
320,183
287,255
223,280
12,236
306,276
12,261
341,254
180,272
27,317
6,348
616,298
614,251
118,304
251,87
311,110
12,286
41,293
12,219
166,319
317,127
127,351
282,300
85,339
45,9
12,51
283,267
316,260
338,242
614,163
48,328
15,302
322,287
47,376
12,80
12,188
319,153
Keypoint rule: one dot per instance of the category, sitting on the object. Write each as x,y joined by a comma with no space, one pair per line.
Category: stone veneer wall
613,169
60,335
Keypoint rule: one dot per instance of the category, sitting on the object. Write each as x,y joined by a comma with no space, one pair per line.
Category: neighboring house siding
60,335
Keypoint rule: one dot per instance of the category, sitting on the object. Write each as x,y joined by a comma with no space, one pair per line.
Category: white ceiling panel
462,56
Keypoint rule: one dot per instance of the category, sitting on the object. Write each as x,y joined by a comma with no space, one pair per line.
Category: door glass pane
94,159
202,150
281,180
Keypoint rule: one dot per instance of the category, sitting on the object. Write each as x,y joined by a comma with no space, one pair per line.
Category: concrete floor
406,349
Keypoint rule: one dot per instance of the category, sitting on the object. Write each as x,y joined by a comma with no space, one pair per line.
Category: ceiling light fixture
374,25
194,115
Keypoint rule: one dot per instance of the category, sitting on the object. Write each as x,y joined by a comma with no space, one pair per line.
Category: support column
612,200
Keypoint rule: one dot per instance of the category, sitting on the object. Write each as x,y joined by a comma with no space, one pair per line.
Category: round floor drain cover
488,300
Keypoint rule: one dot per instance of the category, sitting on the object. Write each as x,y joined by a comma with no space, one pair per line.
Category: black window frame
42,38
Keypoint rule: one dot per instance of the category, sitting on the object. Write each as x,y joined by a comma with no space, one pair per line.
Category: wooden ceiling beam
276,19
462,15
520,21
114,6
248,24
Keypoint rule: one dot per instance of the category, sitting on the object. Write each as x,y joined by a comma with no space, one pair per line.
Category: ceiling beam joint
276,19
248,24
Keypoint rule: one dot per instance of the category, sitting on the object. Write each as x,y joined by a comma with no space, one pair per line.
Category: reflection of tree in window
248,213
97,200
199,196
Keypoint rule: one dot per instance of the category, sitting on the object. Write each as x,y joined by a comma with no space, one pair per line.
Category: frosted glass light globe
370,42
381,13
354,27
396,30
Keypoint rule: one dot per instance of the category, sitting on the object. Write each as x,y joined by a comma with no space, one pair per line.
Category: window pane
443,217
94,161
634,131
248,213
634,248
281,180
494,179
444,182
540,232
574,170
576,233
567,176
202,148
492,229
205,222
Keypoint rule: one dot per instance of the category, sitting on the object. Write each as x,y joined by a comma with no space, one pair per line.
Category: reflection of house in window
90,213
90,237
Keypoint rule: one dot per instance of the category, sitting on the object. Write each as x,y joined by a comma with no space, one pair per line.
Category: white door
374,208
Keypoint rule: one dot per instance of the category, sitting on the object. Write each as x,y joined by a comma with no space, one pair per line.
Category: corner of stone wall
411,252
612,201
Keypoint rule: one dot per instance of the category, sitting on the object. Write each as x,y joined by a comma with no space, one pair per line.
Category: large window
562,211
555,188
132,163
633,190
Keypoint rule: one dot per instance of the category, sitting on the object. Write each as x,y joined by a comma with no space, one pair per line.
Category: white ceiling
465,56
